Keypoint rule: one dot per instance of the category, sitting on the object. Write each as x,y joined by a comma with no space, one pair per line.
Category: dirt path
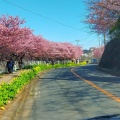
14,107
8,77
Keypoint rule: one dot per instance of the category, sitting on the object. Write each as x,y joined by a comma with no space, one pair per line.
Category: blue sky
55,20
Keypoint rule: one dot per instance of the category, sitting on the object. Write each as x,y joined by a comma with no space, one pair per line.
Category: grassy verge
9,91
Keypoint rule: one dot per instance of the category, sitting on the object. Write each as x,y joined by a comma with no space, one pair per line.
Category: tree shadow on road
80,96
93,74
107,117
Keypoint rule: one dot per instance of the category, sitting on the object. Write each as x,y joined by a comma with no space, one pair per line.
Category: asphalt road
60,95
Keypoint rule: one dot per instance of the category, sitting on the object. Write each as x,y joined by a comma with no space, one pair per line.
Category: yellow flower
2,108
18,90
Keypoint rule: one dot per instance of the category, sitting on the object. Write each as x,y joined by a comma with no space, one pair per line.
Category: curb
16,106
29,88
108,71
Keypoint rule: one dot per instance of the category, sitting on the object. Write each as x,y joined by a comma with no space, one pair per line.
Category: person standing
10,65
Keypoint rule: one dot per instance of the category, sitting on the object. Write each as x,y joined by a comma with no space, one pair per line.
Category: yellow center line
97,87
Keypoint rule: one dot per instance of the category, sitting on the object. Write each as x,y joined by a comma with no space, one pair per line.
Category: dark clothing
52,62
10,64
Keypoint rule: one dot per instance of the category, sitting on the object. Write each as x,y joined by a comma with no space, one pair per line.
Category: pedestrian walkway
6,78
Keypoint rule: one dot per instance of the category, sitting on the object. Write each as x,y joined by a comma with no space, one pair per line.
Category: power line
87,39
43,16
50,20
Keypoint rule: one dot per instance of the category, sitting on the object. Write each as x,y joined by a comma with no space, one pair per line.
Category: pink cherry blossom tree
20,42
102,15
97,53
12,36
38,47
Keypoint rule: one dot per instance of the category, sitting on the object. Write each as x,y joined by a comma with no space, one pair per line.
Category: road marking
97,87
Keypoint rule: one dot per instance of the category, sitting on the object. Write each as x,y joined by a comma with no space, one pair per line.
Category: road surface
61,95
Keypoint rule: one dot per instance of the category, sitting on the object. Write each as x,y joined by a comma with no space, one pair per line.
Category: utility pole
99,41
77,41
77,60
104,35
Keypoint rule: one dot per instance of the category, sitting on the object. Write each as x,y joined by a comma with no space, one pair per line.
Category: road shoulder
109,71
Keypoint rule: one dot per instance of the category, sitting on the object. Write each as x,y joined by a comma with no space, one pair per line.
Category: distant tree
64,51
97,53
